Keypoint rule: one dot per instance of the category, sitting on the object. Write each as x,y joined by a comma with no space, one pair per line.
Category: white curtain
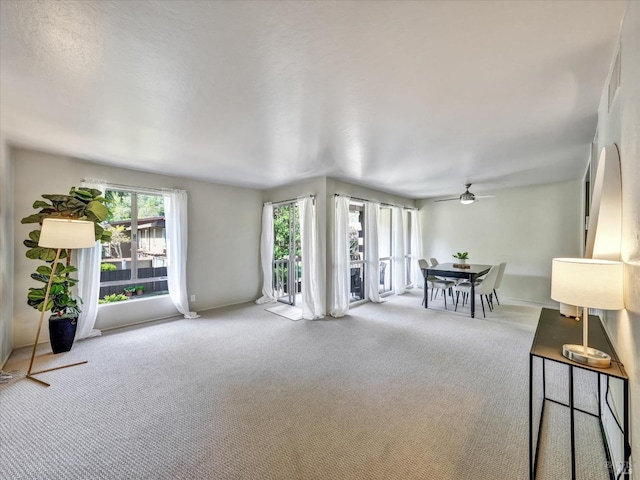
88,260
341,260
372,260
175,212
312,307
399,269
88,290
266,255
417,278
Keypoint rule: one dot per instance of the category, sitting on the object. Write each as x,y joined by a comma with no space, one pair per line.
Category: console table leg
531,475
573,429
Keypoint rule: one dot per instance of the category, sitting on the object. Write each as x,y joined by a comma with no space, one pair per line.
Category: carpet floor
390,391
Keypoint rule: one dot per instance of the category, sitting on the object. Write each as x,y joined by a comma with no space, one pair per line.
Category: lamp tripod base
30,375
586,355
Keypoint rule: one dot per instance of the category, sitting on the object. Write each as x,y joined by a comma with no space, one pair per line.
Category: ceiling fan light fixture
467,197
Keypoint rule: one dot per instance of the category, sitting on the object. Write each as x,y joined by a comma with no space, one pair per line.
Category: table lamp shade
66,233
588,282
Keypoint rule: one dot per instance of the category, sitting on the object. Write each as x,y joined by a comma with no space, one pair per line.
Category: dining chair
440,283
503,265
483,288
435,283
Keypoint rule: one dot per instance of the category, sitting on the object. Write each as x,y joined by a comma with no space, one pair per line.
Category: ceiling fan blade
448,199
485,196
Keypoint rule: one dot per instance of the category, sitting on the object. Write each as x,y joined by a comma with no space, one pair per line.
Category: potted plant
128,291
140,289
80,204
462,257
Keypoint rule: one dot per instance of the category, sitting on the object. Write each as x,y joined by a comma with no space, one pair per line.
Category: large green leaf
67,270
49,305
55,197
82,193
41,204
33,218
98,209
35,253
44,270
36,294
57,289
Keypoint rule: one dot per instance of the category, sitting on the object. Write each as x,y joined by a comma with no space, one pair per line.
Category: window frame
134,278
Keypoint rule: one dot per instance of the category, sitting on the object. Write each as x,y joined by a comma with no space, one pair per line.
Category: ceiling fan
467,197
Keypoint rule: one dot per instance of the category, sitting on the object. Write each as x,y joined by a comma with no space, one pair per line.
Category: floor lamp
588,283
59,234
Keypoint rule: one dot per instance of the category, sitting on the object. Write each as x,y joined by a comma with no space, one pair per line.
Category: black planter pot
62,331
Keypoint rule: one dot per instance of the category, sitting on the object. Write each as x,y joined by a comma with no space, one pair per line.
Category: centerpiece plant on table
462,256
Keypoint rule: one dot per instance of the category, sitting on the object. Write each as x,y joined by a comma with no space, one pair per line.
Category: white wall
620,124
6,252
525,227
224,233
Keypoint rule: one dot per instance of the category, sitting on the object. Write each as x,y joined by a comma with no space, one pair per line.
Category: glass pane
384,233
385,276
356,282
356,251
151,245
356,231
116,255
407,231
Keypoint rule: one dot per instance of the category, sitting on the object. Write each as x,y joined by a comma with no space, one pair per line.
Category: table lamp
60,233
587,283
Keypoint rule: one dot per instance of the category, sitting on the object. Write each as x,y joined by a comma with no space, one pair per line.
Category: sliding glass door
287,269
356,251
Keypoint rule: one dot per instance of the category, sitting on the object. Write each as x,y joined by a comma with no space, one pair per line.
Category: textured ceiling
414,98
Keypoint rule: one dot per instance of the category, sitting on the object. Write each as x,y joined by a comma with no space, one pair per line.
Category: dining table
451,270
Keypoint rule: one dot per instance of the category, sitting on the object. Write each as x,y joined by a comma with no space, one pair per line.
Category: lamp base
592,357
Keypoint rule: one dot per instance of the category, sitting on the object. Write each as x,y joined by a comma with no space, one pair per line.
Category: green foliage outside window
114,297
281,233
149,206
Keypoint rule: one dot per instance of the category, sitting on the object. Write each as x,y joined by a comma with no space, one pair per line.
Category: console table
553,331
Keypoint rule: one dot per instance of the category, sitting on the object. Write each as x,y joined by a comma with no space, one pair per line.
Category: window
134,263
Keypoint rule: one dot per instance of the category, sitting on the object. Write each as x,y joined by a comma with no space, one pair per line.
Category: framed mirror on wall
604,231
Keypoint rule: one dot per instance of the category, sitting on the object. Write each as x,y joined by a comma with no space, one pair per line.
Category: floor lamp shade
67,233
588,283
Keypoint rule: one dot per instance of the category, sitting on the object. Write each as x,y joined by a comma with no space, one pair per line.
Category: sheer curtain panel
417,279
399,270
372,260
175,211
312,307
266,255
89,279
341,259
88,290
